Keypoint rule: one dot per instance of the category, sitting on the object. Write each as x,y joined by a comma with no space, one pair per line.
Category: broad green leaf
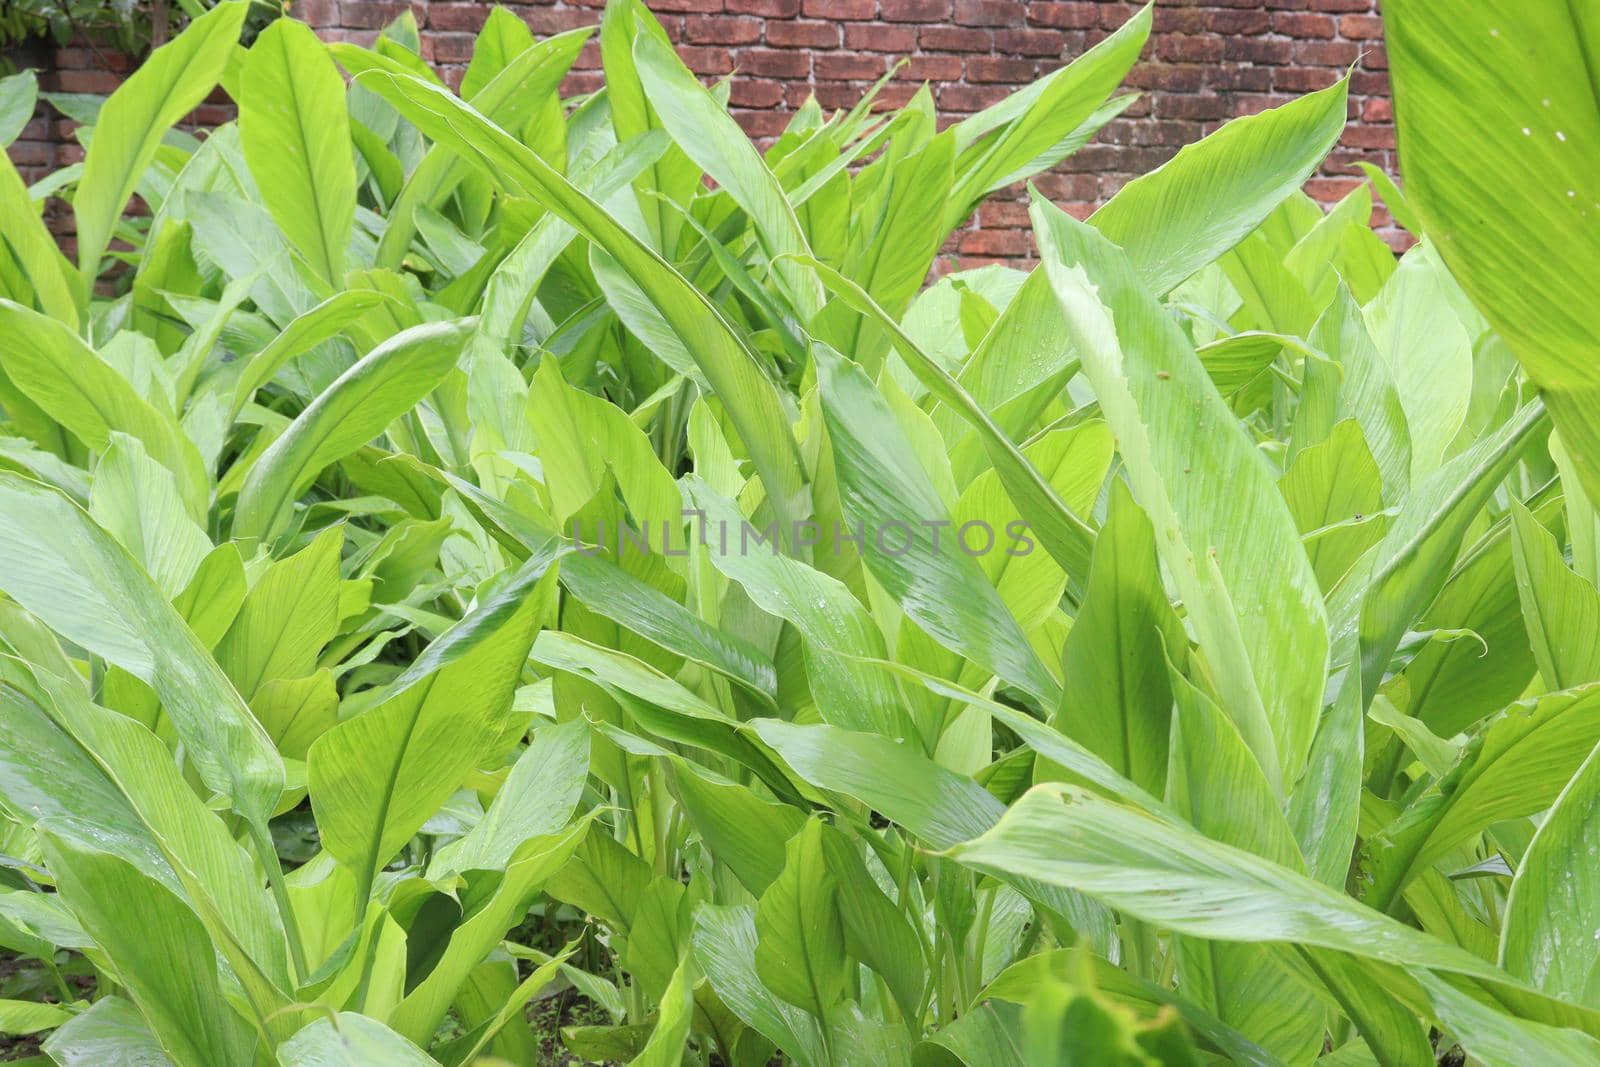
1360,387
495,902
112,1028
86,395
1414,558
1500,1040
1334,490
608,589
167,86
1038,117
1116,698
725,947
1516,766
18,94
1235,558
22,1017
511,1008
286,618
350,1040
674,1020
1065,535
819,606
536,799
51,276
137,501
1429,353
754,405
1175,878
383,385
1207,198
509,99
708,134
97,778
1499,129
305,332
1561,609
888,496
296,137
162,955
1220,789
800,935
673,178
1583,521
377,777
1547,937
66,570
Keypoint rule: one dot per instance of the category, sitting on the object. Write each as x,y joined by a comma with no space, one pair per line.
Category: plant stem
280,894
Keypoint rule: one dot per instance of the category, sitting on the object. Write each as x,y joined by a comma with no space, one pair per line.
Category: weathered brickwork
1206,62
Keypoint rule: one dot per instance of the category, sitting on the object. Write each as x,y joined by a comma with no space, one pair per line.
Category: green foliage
461,555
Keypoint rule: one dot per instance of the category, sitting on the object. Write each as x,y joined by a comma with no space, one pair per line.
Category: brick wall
1206,62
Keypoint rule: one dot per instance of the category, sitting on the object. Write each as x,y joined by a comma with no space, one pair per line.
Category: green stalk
262,840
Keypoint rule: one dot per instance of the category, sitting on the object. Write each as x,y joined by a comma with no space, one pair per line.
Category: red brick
842,68
706,60
1331,190
1003,215
932,68
930,11
317,12
1343,5
755,92
865,37
1237,22
777,9
1377,111
548,20
955,39
1199,48
894,96
837,94
968,98
448,47
1368,136
1370,83
1326,53
798,34
1304,26
762,123
1197,106
697,6
88,81
1029,42
368,15
1058,187
991,13
1004,71
468,18
1361,27
1167,77
1240,78
1070,15
849,10
1375,58
1256,50
770,63
1303,79
721,29
582,82
996,242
